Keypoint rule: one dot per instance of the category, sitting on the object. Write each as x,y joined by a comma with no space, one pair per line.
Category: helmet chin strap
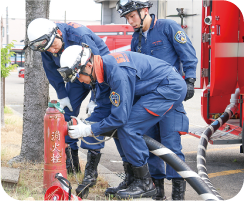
93,81
62,48
140,31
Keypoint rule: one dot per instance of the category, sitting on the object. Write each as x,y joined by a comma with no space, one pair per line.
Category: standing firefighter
51,39
166,40
158,84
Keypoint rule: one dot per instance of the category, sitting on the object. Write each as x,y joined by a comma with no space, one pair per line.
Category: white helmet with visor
41,33
73,61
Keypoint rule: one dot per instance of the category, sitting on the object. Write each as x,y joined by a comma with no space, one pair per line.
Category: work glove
65,102
190,88
79,130
90,108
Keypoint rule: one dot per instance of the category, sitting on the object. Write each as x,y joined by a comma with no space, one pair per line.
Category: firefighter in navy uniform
166,40
128,74
51,39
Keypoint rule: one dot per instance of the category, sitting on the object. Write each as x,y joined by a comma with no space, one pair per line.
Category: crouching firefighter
128,74
51,39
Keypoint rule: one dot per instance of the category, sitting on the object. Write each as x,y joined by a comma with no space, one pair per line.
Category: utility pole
64,16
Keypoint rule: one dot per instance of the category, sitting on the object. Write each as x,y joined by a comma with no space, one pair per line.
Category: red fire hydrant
57,193
55,129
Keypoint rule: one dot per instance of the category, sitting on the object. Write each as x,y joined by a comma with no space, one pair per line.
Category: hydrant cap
55,104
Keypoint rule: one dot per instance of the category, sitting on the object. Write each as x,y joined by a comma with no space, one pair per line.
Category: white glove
90,108
65,102
79,130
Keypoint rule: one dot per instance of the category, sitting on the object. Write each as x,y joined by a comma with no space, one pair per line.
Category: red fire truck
223,63
116,36
216,29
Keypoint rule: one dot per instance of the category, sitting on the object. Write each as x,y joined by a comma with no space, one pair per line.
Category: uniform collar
98,65
154,20
63,30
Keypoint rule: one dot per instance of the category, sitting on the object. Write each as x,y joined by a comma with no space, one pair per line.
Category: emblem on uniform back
75,25
115,98
180,37
120,57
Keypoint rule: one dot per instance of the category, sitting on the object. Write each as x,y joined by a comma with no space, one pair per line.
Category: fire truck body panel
224,48
205,48
240,61
217,46
224,53
225,68
117,37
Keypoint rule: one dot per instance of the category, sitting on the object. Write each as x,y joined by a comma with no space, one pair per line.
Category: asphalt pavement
225,163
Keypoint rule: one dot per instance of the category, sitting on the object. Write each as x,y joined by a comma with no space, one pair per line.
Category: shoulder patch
180,37
115,98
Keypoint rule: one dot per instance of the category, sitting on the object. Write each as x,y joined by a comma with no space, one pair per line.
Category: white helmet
73,61
41,33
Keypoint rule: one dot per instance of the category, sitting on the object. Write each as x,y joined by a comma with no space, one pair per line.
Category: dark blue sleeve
123,88
89,41
53,76
183,48
77,92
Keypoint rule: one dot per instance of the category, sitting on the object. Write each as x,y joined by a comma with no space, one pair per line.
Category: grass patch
10,121
8,110
2,153
31,183
11,136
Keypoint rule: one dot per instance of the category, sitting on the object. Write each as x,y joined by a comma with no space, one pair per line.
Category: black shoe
141,187
91,174
178,189
159,184
75,157
129,178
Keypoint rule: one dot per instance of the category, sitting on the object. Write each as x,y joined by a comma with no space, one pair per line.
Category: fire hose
205,137
199,182
181,168
196,182
178,165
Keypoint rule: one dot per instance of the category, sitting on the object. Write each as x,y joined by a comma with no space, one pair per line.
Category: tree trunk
36,93
1,82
